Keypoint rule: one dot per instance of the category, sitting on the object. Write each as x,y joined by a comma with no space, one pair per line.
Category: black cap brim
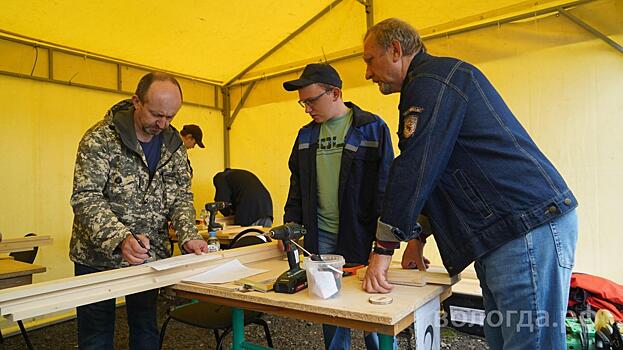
294,85
200,144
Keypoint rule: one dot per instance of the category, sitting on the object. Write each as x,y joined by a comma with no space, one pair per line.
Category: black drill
212,208
295,278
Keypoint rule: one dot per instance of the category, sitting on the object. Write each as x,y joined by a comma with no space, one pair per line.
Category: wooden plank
413,277
61,300
30,301
24,243
96,278
12,268
15,281
129,275
225,235
226,221
71,282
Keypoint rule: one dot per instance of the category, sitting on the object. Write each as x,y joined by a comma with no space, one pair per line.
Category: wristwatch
382,251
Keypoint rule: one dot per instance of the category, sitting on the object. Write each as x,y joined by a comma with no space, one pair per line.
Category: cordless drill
212,208
295,278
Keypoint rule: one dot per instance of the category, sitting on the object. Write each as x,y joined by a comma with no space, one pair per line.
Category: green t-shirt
328,161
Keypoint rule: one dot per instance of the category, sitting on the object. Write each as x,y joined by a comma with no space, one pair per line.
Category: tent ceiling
218,39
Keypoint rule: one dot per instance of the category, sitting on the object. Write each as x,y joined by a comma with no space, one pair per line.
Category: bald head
147,80
157,100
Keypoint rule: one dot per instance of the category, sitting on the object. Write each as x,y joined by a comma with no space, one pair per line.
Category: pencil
140,243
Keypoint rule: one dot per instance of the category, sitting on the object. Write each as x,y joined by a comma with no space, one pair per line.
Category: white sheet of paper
323,284
227,272
180,260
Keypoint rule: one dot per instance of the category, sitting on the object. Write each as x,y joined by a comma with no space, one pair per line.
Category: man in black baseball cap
315,73
192,135
343,157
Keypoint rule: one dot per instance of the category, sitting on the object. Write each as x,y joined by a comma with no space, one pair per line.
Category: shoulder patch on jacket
409,120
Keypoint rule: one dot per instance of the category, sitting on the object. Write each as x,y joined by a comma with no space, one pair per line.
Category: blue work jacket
364,168
467,164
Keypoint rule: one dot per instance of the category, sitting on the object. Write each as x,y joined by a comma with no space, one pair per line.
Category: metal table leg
386,342
25,335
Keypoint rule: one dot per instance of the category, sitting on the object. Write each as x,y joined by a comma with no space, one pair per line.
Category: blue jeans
96,322
525,287
338,338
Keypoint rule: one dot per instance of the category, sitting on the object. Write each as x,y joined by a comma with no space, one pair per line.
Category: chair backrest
27,256
249,237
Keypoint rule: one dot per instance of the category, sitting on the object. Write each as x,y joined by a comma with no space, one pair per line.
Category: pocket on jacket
122,186
476,200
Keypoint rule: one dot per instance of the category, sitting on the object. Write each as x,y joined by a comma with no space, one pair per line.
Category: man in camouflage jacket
131,177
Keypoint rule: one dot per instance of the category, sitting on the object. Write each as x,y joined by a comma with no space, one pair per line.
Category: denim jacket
366,159
467,164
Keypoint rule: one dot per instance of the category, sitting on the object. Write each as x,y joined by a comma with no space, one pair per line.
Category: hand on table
413,256
197,246
375,280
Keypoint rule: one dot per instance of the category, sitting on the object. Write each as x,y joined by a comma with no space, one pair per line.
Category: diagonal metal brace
230,120
590,29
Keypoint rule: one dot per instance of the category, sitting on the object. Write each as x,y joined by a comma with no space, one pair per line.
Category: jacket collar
122,115
419,59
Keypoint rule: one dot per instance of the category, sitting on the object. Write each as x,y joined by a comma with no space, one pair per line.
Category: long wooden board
413,277
42,298
21,244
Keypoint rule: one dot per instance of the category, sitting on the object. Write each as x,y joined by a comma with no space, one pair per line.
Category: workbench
349,309
16,273
225,236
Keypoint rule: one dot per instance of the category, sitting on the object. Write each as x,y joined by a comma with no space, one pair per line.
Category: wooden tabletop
225,236
350,309
12,268
16,273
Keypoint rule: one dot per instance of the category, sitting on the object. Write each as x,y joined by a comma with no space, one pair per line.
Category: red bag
590,292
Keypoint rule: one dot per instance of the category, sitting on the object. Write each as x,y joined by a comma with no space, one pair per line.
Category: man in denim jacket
490,194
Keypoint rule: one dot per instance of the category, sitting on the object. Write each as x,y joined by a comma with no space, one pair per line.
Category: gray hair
392,29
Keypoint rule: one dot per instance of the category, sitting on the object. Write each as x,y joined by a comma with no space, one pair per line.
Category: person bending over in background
339,167
250,201
131,177
491,196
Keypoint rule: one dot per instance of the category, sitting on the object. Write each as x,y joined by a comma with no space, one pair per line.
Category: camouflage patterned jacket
113,194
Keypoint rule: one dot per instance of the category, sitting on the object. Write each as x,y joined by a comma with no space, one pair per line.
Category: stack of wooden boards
41,298
21,244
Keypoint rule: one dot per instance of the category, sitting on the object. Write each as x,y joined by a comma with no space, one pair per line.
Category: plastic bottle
213,244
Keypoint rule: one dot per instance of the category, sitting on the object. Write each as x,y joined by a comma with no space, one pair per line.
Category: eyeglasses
308,102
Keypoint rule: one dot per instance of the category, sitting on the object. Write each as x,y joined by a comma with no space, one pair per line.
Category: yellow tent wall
562,83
